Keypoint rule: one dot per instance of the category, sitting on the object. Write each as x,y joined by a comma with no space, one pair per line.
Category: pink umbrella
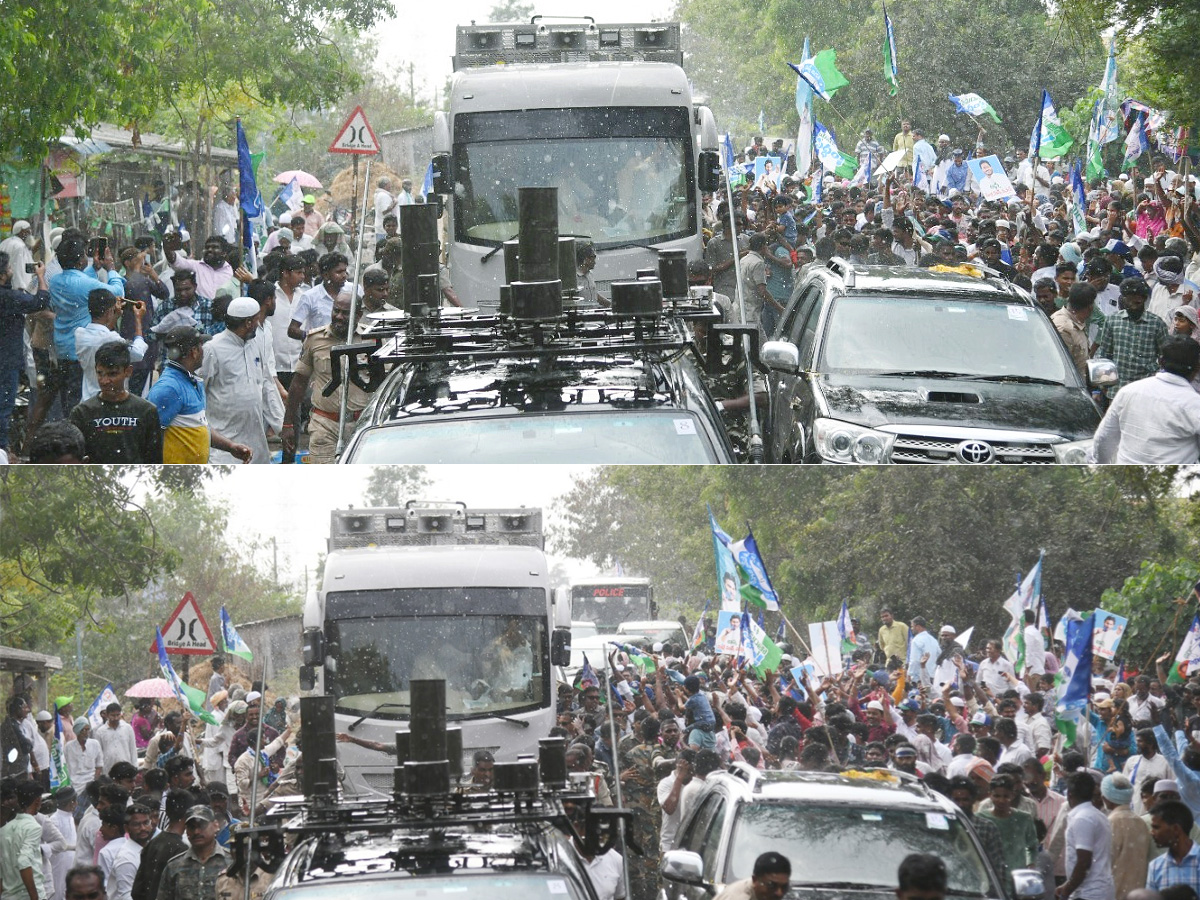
302,178
151,687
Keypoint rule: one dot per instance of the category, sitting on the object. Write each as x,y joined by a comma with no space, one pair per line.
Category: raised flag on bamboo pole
1187,660
973,105
192,698
1136,142
821,73
1074,679
1049,140
1022,598
804,134
891,70
231,640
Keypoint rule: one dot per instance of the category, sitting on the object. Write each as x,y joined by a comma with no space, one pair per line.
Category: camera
30,268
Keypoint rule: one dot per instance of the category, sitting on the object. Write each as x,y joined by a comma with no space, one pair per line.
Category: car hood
874,401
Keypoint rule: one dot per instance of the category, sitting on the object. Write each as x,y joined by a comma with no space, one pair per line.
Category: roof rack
539,316
843,267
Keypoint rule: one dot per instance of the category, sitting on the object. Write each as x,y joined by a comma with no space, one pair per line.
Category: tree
72,536
737,51
395,485
1159,64
510,11
947,547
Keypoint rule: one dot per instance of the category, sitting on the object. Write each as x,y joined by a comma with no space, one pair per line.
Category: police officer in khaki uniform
314,365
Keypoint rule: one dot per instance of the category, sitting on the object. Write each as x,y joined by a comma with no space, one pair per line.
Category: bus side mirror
709,171
560,647
308,678
313,651
442,183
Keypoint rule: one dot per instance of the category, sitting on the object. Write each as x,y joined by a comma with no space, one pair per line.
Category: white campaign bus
604,113
423,592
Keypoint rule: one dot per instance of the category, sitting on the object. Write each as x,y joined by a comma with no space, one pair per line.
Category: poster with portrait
729,633
990,178
1107,630
767,172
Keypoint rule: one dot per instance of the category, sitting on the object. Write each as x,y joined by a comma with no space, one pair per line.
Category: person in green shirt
1018,834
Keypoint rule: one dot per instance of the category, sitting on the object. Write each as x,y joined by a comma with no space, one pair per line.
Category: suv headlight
1074,453
842,442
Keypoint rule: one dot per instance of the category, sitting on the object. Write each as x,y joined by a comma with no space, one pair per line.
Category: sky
294,502
424,34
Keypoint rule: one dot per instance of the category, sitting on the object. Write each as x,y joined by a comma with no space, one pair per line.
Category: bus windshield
608,606
624,175
492,661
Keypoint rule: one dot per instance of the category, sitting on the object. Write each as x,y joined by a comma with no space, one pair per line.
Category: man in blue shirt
1170,826
69,299
922,654
956,175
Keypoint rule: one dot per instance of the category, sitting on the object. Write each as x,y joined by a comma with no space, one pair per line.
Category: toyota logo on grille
975,452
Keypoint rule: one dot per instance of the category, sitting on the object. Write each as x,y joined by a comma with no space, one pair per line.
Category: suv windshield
854,845
493,885
936,334
614,436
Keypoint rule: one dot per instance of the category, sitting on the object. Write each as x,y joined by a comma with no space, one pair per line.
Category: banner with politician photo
729,633
991,179
1107,632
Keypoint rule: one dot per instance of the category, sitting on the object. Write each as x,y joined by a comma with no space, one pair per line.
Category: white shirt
606,872
670,821
235,384
85,836
1138,769
1163,302
19,255
117,744
1140,712
1016,752
384,204
1039,732
120,867
62,860
287,350
82,762
313,308
1153,421
990,673
1089,829
1035,651
225,221
91,338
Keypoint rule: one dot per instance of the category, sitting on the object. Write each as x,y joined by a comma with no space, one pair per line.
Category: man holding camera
14,305
20,249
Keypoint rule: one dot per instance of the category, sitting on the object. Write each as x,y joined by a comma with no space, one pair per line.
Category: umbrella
302,178
151,687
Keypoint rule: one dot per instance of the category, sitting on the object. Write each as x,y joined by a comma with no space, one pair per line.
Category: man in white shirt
384,203
116,739
1146,765
674,793
1035,649
1015,751
1142,703
236,381
993,669
1088,845
314,307
85,759
120,865
1156,420
1039,729
105,308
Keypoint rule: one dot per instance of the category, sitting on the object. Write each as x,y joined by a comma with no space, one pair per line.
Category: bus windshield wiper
372,712
498,248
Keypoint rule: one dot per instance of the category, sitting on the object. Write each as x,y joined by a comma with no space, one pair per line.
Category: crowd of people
1118,278
165,352
1102,809
138,810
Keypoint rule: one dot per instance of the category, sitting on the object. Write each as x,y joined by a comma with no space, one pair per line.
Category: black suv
881,364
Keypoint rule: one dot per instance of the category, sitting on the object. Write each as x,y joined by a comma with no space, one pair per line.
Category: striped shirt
1165,871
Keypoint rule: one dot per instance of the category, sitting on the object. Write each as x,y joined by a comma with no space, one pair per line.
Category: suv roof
865,279
878,788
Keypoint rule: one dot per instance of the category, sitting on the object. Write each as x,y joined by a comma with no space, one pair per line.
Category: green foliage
395,485
948,545
1159,64
510,11
70,536
1159,603
1006,51
203,60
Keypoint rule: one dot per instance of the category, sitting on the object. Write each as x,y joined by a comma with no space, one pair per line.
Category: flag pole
804,644
362,225
612,732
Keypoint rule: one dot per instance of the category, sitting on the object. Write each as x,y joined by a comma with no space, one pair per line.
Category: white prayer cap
243,308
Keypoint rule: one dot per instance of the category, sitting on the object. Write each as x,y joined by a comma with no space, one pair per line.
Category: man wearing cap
1130,835
313,220
769,880
1170,289
19,249
180,397
1155,420
193,874
84,758
236,382
1132,337
315,366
